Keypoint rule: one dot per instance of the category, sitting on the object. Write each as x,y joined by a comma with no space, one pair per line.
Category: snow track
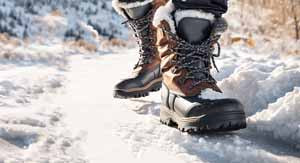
129,130
67,113
31,124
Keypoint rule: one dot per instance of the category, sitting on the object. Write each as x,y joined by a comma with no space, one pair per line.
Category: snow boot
187,48
147,73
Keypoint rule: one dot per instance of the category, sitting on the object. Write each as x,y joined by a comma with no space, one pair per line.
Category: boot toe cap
216,106
228,105
127,84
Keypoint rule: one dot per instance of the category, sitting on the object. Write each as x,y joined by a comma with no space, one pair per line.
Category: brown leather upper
164,56
156,60
171,76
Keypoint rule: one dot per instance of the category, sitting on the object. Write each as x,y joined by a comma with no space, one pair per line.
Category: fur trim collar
165,13
118,6
180,14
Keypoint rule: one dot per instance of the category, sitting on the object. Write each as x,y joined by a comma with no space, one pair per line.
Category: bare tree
295,7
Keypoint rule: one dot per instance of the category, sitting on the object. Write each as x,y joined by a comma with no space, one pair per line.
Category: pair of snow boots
177,50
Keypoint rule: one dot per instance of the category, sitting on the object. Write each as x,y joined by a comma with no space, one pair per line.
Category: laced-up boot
146,76
187,57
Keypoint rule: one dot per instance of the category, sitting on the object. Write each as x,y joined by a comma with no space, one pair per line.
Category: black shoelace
143,34
196,59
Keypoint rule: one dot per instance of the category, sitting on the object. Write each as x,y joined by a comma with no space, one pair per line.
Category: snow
131,128
163,13
68,113
31,124
56,102
256,80
281,119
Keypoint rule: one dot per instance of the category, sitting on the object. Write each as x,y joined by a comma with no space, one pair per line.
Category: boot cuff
165,13
180,14
118,5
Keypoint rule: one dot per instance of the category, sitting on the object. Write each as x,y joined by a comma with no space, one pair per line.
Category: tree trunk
296,19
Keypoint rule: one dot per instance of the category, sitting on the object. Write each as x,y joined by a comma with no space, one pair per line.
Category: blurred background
92,24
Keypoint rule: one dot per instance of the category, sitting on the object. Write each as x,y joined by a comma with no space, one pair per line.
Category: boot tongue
195,31
200,75
199,65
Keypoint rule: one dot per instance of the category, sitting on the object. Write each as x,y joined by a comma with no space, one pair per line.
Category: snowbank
281,119
34,53
267,86
256,80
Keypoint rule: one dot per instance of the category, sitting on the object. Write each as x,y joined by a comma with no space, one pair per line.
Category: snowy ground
31,124
68,114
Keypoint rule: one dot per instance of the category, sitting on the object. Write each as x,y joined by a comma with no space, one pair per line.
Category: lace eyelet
173,71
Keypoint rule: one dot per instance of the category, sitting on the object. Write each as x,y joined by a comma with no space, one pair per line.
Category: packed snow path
129,130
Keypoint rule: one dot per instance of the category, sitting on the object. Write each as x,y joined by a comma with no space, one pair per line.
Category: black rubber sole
138,94
217,122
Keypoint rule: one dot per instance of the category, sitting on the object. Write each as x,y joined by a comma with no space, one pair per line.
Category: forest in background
284,18
267,26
